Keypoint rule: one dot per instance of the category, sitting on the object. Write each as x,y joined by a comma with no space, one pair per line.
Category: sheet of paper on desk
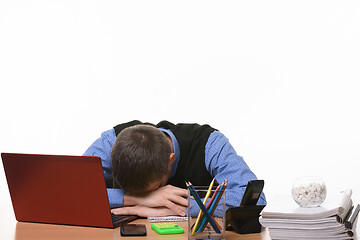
285,220
167,219
338,203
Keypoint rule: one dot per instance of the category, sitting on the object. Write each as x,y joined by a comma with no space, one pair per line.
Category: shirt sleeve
222,162
102,148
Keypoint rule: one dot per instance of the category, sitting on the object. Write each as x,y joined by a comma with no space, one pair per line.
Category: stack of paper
286,220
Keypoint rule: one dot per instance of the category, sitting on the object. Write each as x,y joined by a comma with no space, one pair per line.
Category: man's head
141,158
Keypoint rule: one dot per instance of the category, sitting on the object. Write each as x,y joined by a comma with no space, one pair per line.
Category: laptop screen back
57,189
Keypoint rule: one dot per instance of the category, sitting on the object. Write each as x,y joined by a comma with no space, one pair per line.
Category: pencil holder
211,224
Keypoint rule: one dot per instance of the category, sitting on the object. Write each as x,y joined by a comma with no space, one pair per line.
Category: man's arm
222,162
102,148
151,203
164,201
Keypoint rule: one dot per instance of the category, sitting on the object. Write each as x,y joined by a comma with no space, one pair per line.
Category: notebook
59,189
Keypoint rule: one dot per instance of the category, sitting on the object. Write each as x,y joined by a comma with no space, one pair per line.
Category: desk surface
10,229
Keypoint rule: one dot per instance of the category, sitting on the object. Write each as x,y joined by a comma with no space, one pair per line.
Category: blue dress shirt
221,162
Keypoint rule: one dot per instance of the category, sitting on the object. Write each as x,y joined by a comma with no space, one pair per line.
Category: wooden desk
10,229
32,231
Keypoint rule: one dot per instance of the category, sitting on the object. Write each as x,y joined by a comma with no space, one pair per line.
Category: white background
280,79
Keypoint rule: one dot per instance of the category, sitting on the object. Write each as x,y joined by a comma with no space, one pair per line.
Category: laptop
59,189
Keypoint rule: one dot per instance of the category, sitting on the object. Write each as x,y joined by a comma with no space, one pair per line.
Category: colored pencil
213,206
202,207
205,199
203,220
209,204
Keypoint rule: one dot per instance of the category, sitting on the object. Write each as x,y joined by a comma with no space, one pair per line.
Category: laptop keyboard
118,219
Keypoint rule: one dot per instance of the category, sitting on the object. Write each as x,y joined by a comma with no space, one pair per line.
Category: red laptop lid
57,189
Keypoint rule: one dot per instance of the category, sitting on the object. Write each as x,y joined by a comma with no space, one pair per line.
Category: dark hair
140,156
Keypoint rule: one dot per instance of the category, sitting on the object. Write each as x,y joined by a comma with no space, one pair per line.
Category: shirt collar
176,148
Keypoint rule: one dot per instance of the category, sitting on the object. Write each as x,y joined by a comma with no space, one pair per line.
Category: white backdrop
280,79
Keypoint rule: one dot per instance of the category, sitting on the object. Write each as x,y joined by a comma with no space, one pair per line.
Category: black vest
192,139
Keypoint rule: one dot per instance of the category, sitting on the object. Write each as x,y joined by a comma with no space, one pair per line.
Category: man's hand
143,211
170,197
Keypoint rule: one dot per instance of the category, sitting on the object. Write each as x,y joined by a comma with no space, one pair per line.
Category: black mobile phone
252,192
133,230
